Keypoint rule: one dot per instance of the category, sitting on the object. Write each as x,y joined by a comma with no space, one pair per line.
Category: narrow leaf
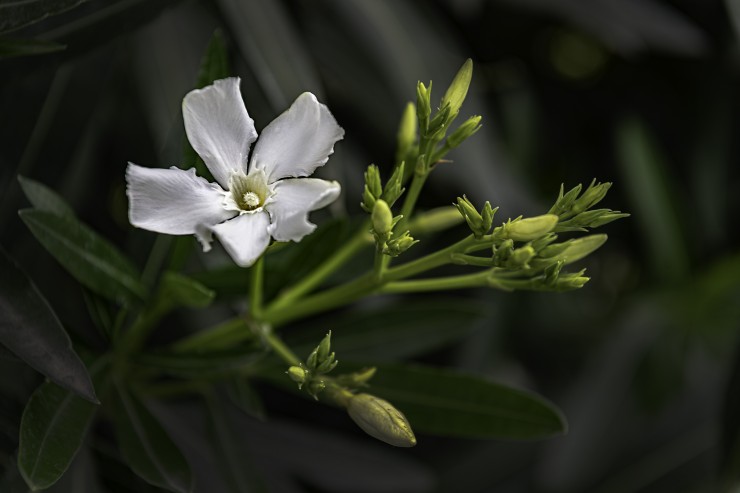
53,427
181,290
11,48
399,331
31,330
44,198
92,260
14,15
146,446
448,403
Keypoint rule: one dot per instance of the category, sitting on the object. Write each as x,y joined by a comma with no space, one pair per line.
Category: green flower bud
327,365
487,216
477,223
553,272
397,246
406,132
568,282
521,257
530,228
463,132
544,241
298,375
502,252
458,89
594,194
382,219
313,359
373,188
315,387
394,187
379,419
439,124
423,105
574,250
564,202
324,347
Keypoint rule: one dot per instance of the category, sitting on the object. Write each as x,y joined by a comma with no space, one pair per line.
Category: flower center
247,193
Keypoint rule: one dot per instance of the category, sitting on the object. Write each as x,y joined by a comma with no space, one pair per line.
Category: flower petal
219,127
174,201
298,141
293,199
245,237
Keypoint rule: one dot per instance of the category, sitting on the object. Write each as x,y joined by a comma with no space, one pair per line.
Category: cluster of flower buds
320,362
573,210
479,222
375,191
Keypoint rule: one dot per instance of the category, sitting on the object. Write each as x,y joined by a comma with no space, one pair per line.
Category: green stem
428,262
360,240
326,300
224,335
256,274
417,183
452,282
281,349
379,264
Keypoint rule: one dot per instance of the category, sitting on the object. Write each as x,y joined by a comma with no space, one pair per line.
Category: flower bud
379,419
521,256
324,347
564,202
406,132
592,196
298,375
397,246
573,250
530,228
382,218
458,89
423,105
394,187
502,252
327,365
463,132
373,188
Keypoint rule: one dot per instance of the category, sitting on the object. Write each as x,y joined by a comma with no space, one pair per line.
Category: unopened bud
382,218
379,419
406,132
574,250
394,187
423,105
458,89
463,132
564,202
521,256
592,196
373,188
530,228
298,375
502,252
324,347
397,246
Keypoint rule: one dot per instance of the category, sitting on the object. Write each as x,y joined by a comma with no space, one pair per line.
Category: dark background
642,93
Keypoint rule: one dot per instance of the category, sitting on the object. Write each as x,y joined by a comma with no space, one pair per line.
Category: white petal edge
174,201
245,237
298,141
293,199
219,128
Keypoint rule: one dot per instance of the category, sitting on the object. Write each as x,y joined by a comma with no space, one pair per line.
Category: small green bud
394,187
487,216
298,375
373,188
502,252
552,273
521,257
463,132
324,347
574,250
594,194
530,228
406,132
313,359
423,105
564,202
315,387
544,241
606,218
458,89
397,246
382,219
327,365
475,221
567,282
379,419
421,168
439,124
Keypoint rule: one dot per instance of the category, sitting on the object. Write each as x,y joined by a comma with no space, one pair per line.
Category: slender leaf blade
44,198
89,258
31,330
53,427
449,403
181,290
14,15
146,446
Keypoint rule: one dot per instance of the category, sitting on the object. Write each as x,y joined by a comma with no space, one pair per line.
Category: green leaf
648,182
448,403
44,198
10,48
181,290
53,427
399,331
88,257
146,446
244,396
14,15
31,330
227,443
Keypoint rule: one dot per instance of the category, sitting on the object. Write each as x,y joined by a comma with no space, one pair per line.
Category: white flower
249,204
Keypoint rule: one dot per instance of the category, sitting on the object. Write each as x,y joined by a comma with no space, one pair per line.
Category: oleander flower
249,204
